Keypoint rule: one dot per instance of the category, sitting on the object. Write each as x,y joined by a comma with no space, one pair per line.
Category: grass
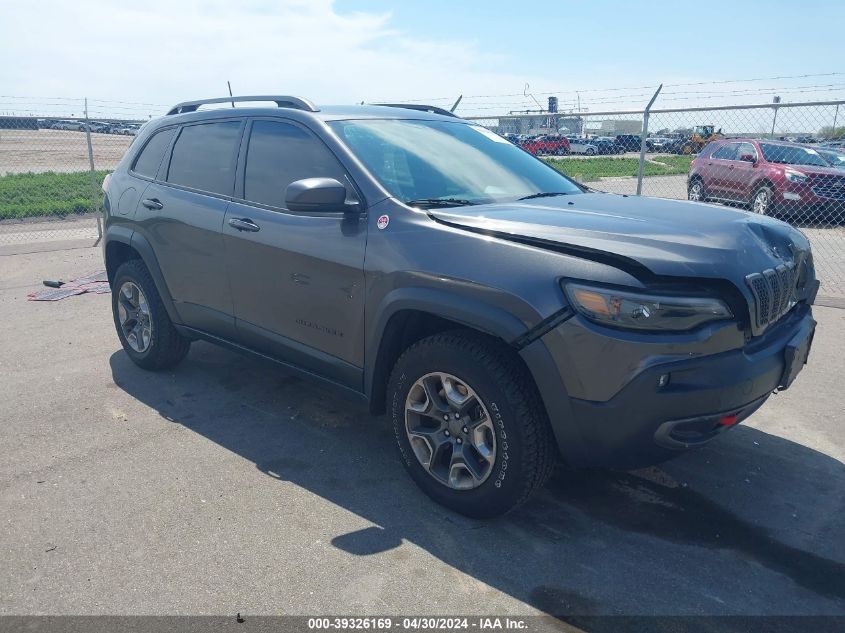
586,169
48,193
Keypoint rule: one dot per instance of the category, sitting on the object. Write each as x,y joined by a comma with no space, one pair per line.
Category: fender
556,401
469,311
142,246
493,320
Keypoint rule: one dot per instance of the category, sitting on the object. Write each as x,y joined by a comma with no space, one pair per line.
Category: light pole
775,100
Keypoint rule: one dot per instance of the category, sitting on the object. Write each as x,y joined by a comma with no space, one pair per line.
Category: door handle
244,224
152,203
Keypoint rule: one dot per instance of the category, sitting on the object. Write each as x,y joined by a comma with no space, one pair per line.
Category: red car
549,144
770,176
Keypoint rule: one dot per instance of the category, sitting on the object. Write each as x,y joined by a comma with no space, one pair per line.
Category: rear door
717,171
182,214
297,278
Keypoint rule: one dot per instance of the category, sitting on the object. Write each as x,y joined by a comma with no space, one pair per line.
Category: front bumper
671,406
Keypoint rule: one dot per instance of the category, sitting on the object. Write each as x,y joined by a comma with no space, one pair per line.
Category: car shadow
750,525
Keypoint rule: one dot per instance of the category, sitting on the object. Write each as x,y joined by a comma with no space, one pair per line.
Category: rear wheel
590,151
141,320
695,191
469,423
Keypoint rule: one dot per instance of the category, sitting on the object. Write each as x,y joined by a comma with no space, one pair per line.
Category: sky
135,58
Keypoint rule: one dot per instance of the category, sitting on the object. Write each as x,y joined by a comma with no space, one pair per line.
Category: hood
644,236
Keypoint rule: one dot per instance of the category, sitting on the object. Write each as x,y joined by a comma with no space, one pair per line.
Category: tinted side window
203,157
280,153
726,152
149,160
746,149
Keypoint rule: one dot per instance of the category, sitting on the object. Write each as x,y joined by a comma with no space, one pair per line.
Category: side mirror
747,158
317,195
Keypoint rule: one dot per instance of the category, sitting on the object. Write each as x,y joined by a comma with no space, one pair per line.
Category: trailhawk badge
382,222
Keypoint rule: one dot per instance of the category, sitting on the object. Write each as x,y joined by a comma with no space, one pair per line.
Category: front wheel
469,423
590,151
762,201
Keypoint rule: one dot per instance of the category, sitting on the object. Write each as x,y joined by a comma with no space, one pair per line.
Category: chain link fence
782,160
786,160
51,171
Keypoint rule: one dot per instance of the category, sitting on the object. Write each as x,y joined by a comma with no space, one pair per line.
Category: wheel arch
408,315
122,244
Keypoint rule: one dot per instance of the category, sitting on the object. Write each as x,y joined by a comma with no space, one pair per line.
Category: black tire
691,190
166,346
590,151
526,452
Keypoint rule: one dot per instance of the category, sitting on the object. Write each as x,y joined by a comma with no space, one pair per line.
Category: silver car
582,146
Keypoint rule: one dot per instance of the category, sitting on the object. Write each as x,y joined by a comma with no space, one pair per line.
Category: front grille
773,292
827,186
833,192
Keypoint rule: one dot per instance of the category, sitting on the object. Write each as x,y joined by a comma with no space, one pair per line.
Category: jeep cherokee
504,316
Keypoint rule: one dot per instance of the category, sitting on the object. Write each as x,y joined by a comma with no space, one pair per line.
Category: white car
582,146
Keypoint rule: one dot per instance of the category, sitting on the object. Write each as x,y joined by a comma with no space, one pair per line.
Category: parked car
548,144
605,145
833,157
770,176
657,143
501,314
75,126
579,145
628,142
833,144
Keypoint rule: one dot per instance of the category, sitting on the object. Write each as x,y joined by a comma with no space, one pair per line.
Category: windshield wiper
545,194
439,202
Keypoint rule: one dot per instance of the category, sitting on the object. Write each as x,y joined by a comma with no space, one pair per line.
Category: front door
297,278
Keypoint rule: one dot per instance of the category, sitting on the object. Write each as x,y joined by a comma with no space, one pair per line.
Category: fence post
642,140
94,194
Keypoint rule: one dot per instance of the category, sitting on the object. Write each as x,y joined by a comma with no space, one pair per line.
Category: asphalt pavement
229,486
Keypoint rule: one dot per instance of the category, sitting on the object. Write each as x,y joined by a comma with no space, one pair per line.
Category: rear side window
726,152
148,161
280,153
203,157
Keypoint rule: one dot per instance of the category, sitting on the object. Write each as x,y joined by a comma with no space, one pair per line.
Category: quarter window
148,161
203,157
280,153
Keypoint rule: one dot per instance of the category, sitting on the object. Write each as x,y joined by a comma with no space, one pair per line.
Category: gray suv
505,317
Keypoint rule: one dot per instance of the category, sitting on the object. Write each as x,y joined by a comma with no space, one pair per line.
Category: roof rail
420,107
283,101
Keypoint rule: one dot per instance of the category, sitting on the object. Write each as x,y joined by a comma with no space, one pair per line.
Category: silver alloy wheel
133,311
450,431
761,201
696,190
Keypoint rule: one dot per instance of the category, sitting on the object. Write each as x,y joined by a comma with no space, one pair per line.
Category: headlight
641,311
795,176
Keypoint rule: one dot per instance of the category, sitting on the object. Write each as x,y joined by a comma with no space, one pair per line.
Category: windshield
441,160
791,155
